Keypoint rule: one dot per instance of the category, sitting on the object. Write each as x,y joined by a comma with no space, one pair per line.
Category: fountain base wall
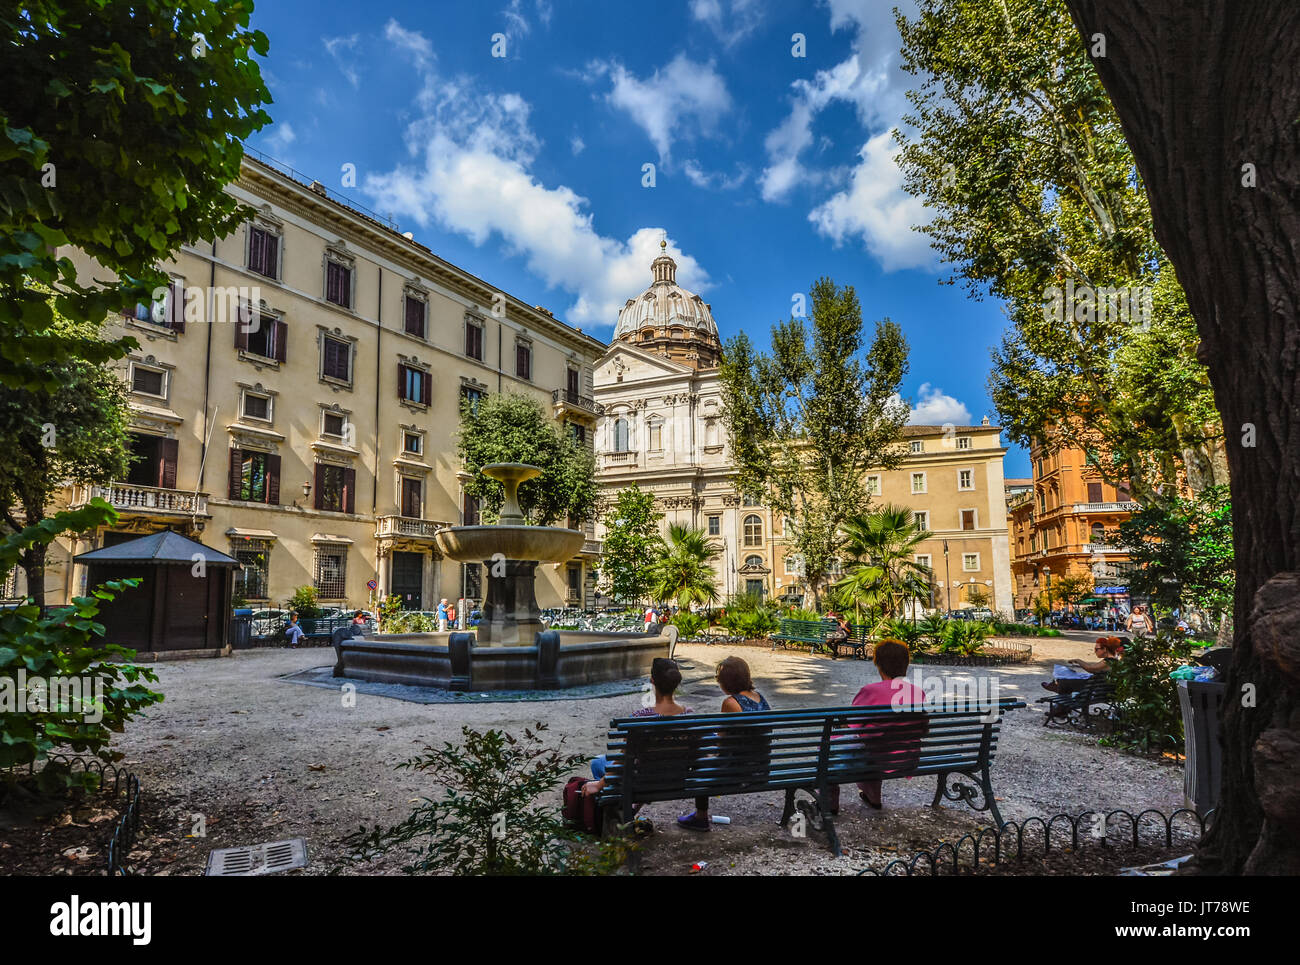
451,661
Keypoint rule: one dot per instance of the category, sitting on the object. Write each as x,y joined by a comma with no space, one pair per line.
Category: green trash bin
1202,703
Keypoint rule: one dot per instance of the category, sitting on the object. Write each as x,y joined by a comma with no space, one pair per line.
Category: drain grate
259,859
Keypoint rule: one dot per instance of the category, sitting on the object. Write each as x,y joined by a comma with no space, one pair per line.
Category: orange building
1064,524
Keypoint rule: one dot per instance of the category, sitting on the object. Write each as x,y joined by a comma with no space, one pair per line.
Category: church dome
667,308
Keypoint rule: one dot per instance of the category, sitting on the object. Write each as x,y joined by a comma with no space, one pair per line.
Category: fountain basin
482,544
452,661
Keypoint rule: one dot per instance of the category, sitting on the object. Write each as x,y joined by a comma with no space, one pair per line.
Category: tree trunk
1209,94
33,563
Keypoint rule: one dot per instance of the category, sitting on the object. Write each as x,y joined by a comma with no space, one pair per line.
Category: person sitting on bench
892,690
666,677
841,632
1086,672
734,679
293,633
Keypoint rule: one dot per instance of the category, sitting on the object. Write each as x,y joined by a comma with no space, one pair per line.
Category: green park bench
813,634
675,758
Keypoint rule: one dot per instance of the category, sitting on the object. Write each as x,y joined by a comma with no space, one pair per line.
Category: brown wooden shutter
270,256
349,490
320,486
256,249
281,341
236,472
176,308
167,464
243,322
273,480
426,385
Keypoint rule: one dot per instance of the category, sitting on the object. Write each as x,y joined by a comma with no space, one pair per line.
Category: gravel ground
264,759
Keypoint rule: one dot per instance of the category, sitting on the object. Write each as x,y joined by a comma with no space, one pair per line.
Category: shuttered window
474,341
254,477
413,385
335,488
338,284
263,252
336,359
415,316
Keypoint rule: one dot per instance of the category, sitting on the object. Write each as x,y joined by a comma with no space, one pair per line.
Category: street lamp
1048,571
947,581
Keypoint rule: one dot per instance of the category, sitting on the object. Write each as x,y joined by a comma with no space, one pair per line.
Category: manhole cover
258,859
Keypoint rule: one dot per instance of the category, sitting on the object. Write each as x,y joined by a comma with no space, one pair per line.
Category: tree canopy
632,545
807,421
517,428
1037,200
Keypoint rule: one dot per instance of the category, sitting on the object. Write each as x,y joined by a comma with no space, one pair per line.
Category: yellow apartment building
295,397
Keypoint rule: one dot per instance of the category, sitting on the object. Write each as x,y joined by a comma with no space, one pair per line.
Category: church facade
660,426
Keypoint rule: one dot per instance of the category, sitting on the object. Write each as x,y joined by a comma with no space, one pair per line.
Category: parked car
267,623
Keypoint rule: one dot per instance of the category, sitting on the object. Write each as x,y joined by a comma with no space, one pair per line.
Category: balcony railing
143,499
593,547
1129,507
407,526
574,400
620,459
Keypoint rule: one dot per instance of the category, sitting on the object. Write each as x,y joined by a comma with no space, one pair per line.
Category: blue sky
527,169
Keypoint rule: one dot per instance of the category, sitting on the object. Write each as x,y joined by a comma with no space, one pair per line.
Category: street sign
372,584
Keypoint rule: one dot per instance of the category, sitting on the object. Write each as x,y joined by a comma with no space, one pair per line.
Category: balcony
620,460
568,401
411,527
593,547
143,500
1129,507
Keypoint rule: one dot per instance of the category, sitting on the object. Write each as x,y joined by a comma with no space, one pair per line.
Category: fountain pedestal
511,616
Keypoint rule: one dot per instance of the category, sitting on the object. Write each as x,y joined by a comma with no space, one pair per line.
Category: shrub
404,621
929,633
963,636
801,614
751,625
901,630
304,601
745,603
690,624
488,821
1150,718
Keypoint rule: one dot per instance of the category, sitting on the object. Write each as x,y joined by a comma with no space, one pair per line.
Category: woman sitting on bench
892,690
735,681
666,677
1083,672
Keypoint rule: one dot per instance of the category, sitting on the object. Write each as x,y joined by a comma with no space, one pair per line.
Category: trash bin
241,629
1202,702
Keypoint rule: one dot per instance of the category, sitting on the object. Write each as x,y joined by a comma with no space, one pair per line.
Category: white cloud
340,48
470,172
730,20
714,179
281,136
936,408
410,42
673,103
875,208
869,202
577,145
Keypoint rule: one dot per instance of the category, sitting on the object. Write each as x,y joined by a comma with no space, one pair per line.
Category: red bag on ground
580,811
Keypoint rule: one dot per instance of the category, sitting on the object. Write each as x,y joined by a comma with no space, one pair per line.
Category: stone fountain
512,649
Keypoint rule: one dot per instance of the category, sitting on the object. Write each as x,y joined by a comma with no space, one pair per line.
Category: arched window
1098,533
620,435
754,561
753,529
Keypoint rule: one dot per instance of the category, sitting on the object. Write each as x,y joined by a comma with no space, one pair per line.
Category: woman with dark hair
665,677
734,678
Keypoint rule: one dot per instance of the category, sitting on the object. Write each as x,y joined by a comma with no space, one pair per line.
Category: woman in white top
1138,622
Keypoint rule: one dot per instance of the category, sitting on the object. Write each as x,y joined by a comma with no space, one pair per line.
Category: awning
164,548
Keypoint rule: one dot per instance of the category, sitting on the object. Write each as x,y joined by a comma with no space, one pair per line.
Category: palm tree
880,551
683,573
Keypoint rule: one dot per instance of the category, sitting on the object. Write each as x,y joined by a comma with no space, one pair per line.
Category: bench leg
969,793
986,783
788,813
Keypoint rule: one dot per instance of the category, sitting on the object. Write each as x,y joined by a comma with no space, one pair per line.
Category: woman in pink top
892,690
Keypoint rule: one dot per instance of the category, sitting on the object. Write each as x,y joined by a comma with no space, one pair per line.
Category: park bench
1075,708
813,634
675,758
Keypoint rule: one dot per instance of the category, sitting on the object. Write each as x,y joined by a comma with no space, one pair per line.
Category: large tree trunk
1204,88
33,564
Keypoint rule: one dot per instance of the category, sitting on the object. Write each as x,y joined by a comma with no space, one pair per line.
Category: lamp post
947,581
1048,571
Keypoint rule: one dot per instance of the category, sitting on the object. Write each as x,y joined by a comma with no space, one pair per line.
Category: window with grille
148,381
715,525
753,531
331,572
416,312
338,284
474,340
254,579
336,359
257,406
334,425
